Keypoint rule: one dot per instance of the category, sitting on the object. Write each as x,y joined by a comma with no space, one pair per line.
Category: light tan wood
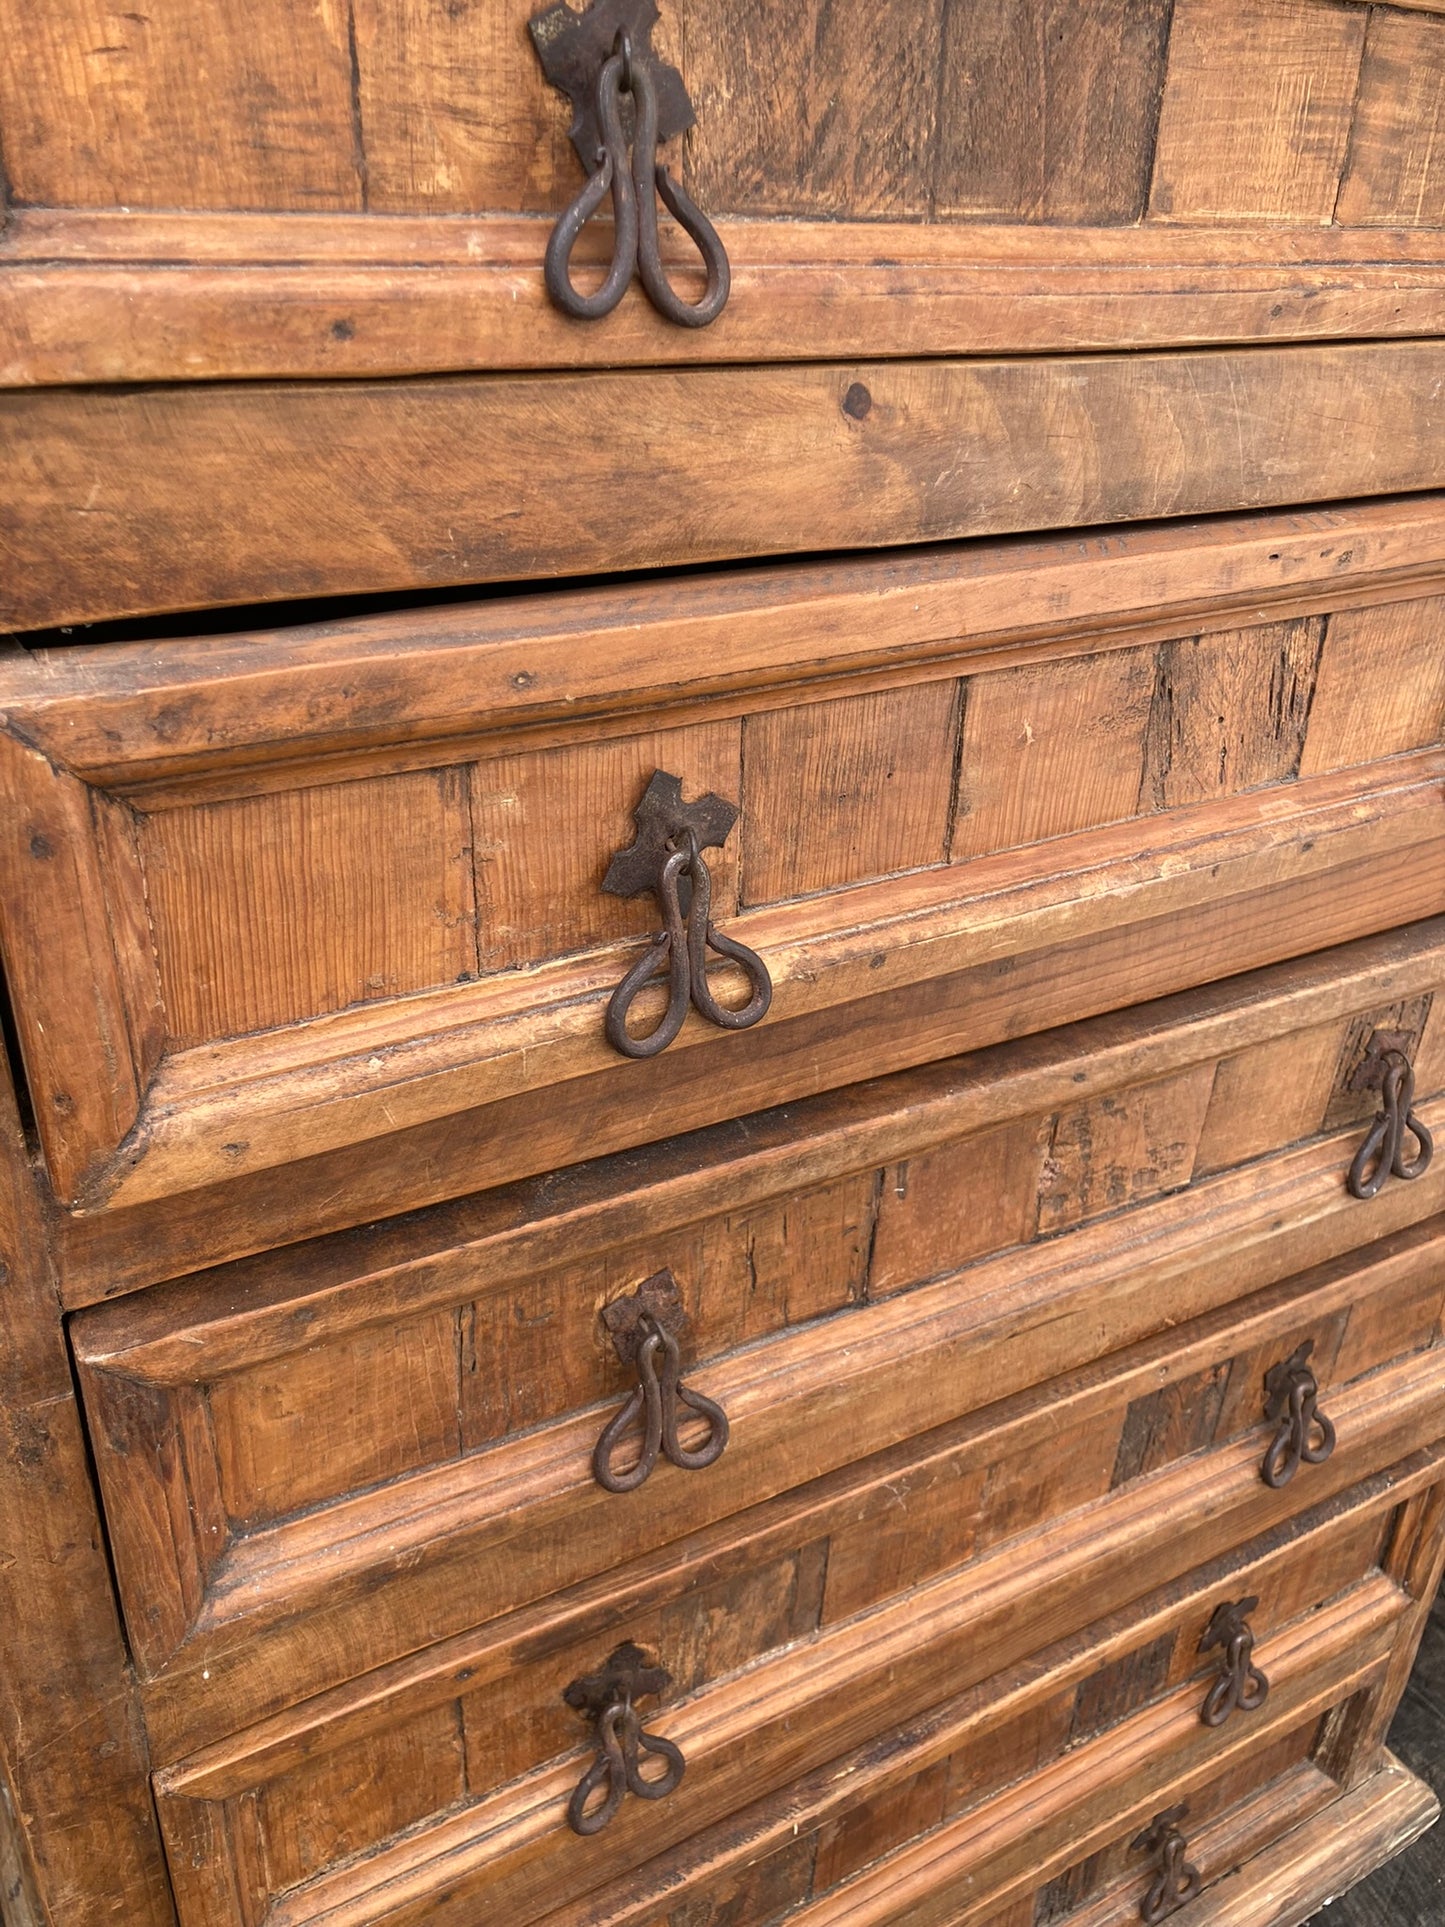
129,297
1394,171
1256,110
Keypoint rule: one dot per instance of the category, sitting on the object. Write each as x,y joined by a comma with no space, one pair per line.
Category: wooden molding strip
234,1108
295,701
116,297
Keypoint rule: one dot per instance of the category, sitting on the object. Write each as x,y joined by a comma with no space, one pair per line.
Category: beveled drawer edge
224,1111
272,1304
111,296
145,717
1137,1765
800,1394
1348,1641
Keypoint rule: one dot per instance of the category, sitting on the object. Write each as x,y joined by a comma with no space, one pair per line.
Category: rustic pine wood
1090,866
178,486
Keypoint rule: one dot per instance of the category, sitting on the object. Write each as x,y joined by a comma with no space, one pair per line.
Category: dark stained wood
181,504
1046,111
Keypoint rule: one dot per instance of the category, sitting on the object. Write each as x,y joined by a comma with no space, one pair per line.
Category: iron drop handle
1176,1881
1382,1155
1303,1435
665,857
607,1697
1241,1686
644,1328
602,58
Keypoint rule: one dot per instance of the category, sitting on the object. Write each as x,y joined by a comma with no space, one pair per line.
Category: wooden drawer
415,1407
301,1809
1095,795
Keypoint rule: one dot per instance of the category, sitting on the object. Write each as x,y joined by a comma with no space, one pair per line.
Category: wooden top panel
327,193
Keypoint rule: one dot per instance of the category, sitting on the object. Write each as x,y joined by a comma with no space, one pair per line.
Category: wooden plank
1047,111
233,1108
547,824
956,1201
196,107
124,713
272,908
1257,109
846,791
1229,712
194,495
453,112
843,125
71,1743
1381,687
1104,1153
1395,174
1051,749
964,1011
113,297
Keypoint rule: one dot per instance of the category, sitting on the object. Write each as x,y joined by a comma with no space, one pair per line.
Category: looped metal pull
1382,1154
612,175
603,58
1241,1686
1291,1395
607,1697
644,1328
1176,1881
666,858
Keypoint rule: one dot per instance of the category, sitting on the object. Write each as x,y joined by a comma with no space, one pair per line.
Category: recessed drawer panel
762,1701
286,900
397,1451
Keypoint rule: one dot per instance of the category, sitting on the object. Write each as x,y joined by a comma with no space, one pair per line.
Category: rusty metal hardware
666,858
623,95
1290,1394
645,1328
607,1698
1382,1154
1176,1881
1241,1686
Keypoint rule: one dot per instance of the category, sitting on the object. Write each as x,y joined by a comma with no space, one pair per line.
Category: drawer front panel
989,151
806,1703
348,488
444,941
958,1242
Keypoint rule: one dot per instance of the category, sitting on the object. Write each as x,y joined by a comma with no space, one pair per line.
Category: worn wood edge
1314,1664
222,1111
140,716
426,1522
257,1308
72,1748
1326,1856
96,297
401,1688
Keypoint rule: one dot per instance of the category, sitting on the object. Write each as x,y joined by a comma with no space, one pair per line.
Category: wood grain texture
844,122
196,495
73,1751
191,107
1395,173
1046,110
1257,110
271,908
1049,750
108,297
548,823
1381,684
846,791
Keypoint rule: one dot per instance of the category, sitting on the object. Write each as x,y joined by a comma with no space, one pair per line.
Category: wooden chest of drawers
956,1439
